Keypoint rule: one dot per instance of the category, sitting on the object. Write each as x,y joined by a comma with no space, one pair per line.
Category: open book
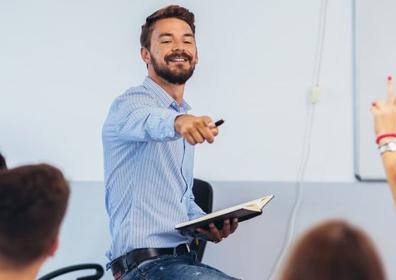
243,212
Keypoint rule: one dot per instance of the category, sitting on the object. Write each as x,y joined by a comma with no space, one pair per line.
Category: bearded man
148,141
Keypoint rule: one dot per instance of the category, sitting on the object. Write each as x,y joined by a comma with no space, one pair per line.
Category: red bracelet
382,136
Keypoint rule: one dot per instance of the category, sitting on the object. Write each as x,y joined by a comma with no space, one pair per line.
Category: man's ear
145,54
54,246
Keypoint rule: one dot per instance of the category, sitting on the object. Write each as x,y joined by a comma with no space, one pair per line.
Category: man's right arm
147,123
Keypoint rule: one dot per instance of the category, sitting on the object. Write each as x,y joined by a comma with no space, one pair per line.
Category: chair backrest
99,271
203,194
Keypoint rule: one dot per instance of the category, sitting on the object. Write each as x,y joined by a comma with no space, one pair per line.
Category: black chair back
203,193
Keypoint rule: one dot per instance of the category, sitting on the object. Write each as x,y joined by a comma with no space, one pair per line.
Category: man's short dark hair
172,11
33,201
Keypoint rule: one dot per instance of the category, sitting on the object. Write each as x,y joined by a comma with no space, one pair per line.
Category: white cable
306,149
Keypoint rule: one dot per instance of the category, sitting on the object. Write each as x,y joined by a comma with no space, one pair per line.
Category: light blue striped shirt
148,171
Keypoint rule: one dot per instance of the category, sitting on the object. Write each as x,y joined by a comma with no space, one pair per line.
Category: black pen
219,122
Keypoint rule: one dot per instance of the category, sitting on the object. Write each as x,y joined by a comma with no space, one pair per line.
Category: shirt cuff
169,127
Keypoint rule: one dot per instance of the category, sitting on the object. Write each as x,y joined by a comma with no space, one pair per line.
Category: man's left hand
217,235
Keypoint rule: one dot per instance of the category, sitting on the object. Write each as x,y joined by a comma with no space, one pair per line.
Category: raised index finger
390,92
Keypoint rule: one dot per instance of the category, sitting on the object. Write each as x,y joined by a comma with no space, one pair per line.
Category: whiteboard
375,59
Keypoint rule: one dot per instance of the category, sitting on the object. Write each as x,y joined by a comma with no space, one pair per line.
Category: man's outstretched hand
196,129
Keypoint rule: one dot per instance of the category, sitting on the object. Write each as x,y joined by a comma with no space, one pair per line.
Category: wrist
385,137
178,122
386,140
389,146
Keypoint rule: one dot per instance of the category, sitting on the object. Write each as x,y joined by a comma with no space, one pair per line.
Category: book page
258,204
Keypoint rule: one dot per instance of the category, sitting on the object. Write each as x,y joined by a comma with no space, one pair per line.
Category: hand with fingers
384,114
196,129
216,235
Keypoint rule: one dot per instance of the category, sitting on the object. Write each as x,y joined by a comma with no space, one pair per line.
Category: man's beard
178,77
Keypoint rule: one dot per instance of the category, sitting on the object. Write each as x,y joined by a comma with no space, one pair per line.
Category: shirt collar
163,96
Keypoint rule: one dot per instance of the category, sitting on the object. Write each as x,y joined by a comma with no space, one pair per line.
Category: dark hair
33,201
3,164
334,250
172,11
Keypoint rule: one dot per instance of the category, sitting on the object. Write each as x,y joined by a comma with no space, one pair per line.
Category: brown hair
33,201
172,11
334,250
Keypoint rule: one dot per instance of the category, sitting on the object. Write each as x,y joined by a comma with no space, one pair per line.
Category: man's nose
178,46
177,49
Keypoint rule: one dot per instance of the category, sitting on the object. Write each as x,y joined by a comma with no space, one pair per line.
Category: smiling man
148,141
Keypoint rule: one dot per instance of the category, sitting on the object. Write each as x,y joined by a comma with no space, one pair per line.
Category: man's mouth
178,58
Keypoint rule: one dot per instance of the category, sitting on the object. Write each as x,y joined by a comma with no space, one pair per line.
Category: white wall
63,62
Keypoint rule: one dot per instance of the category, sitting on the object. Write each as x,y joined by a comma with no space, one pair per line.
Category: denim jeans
184,267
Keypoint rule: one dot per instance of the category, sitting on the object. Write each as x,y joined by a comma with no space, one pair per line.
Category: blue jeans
175,267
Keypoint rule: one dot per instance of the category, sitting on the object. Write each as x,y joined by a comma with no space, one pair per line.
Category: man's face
173,52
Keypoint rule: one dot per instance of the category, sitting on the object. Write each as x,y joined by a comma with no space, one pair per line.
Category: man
33,201
148,140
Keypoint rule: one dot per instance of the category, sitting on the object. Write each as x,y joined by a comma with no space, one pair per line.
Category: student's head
334,250
3,164
33,201
168,44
